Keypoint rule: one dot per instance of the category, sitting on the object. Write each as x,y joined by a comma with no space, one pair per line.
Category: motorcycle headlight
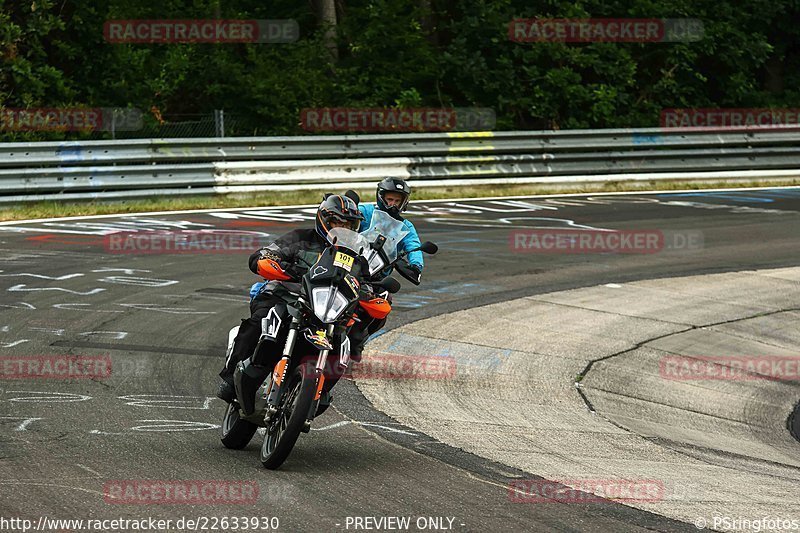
328,303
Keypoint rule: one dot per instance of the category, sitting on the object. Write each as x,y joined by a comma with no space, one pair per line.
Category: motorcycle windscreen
392,230
345,238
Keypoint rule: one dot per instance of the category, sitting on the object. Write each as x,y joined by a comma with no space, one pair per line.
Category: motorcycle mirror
353,195
390,284
429,248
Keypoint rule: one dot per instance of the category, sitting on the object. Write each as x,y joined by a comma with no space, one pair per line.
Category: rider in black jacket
293,252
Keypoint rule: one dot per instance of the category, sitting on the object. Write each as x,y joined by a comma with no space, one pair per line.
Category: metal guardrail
118,169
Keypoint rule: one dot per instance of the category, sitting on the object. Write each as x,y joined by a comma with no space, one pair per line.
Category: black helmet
393,185
337,207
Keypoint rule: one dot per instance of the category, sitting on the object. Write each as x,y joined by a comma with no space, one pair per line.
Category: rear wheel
236,433
288,422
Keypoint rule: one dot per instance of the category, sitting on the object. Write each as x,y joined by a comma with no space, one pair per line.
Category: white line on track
379,426
278,207
25,422
387,428
98,474
40,276
12,344
332,426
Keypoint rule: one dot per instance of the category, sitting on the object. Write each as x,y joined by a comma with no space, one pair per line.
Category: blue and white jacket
409,242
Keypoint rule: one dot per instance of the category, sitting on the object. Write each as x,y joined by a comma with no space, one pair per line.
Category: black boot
243,345
247,378
356,351
358,338
225,389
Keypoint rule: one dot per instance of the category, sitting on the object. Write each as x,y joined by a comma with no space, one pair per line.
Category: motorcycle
314,317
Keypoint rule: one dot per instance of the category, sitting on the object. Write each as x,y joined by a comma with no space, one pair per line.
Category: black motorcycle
314,318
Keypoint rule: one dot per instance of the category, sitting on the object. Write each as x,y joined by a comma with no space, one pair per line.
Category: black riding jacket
295,252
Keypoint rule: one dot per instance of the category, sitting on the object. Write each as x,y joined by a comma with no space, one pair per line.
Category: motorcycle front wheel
286,425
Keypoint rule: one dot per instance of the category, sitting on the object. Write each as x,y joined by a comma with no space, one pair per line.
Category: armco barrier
144,167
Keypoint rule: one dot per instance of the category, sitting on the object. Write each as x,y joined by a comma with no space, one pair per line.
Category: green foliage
400,53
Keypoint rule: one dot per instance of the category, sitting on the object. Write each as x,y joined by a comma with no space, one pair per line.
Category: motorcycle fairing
271,324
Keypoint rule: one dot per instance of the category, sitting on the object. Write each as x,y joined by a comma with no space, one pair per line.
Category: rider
392,197
294,252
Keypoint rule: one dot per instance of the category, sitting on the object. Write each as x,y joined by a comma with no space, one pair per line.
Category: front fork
319,373
278,381
279,373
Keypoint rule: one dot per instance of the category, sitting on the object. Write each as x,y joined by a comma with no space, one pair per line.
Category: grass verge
52,209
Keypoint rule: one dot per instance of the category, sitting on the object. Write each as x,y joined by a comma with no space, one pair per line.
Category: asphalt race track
68,288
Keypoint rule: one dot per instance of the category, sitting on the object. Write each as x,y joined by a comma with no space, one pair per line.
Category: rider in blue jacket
392,197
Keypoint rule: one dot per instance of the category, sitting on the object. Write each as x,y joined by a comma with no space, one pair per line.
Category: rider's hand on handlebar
416,270
264,253
367,292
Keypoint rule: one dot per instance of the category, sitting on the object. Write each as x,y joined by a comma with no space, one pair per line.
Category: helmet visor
333,220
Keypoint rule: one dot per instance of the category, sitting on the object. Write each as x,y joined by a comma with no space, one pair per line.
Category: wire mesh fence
113,124
216,124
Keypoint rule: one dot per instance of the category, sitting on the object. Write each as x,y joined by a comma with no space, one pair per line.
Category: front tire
236,433
295,404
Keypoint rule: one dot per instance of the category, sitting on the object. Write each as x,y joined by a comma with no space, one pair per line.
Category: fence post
219,122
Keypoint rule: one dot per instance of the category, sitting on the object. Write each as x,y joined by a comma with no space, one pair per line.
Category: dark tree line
406,53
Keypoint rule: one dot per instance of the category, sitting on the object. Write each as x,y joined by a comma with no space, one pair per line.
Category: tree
413,53
327,18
